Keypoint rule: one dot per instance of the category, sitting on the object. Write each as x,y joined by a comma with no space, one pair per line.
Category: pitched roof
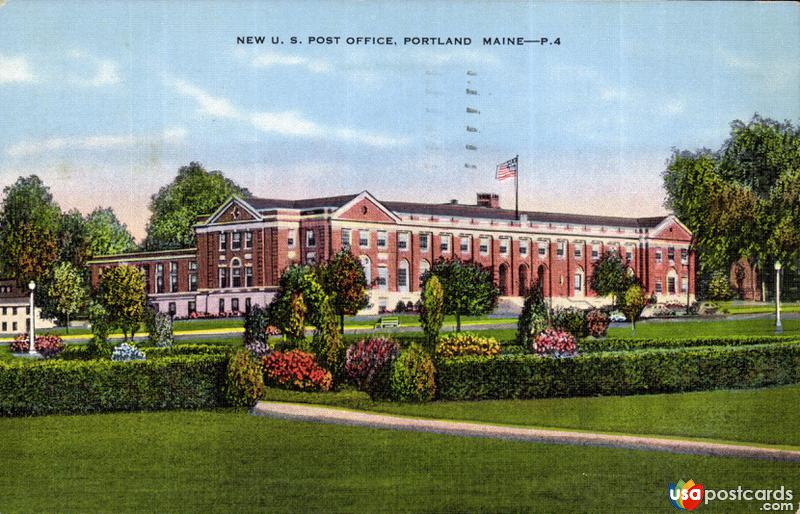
263,204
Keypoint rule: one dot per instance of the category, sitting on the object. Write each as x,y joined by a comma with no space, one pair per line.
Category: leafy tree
327,342
67,291
634,302
294,326
101,326
255,324
533,318
431,312
73,240
175,207
610,276
106,234
158,326
469,288
343,280
297,280
28,253
121,293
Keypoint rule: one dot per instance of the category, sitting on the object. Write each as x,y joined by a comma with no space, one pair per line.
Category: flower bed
295,370
466,343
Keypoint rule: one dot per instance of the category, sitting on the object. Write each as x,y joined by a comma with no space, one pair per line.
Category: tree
343,280
67,291
297,280
533,318
634,302
468,287
175,207
73,240
294,326
121,293
28,253
610,276
106,235
431,312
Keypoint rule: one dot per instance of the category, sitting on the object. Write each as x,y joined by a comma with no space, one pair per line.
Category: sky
106,100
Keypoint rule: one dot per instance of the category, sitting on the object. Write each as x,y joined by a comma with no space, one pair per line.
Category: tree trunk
67,322
341,323
458,322
633,327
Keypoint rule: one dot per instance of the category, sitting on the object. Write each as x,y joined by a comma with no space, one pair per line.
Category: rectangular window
561,249
192,308
402,241
684,256
671,255
173,277
236,276
290,238
5,326
578,251
14,311
542,248
363,238
595,252
346,238
248,240
221,305
5,311
172,309
684,285
382,240
444,246
402,278
485,242
671,285
235,304
248,304
223,277
523,247
146,273
28,310
236,241
383,278
14,326
659,287
248,276
223,241
159,278
659,257
311,239
504,245
465,245
423,242
578,283
192,281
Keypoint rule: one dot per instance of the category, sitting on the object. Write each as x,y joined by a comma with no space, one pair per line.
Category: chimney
490,200
453,202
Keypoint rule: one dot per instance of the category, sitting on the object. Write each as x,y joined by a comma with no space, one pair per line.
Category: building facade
244,246
15,309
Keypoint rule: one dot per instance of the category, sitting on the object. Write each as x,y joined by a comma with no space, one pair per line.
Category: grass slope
234,462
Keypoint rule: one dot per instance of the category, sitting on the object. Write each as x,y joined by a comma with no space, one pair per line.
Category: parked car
617,317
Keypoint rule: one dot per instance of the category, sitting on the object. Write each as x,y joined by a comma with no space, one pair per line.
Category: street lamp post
778,326
32,349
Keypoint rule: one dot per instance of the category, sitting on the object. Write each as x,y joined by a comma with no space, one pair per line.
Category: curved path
466,429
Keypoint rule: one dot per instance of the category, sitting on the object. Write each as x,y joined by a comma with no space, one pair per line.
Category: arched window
523,280
236,272
424,266
402,276
502,278
366,263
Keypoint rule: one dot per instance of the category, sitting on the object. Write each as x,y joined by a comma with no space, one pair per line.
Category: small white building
15,309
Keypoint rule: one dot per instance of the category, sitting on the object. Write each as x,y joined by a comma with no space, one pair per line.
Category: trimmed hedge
620,344
79,387
83,352
618,373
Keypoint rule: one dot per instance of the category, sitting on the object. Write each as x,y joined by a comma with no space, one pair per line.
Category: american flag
506,170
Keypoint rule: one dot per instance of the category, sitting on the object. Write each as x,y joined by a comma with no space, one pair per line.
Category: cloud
270,59
774,75
172,135
105,71
286,123
15,69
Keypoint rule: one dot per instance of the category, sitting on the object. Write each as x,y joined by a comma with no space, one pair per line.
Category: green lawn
734,308
235,462
678,329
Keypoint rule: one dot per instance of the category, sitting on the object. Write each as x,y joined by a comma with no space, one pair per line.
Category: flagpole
516,189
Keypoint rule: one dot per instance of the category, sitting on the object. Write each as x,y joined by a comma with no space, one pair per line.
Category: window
192,275
659,287
578,251
192,307
5,326
383,278
28,310
14,311
5,311
290,238
504,245
402,241
671,285
444,245
248,276
659,257
236,241
484,247
684,285
424,267
671,255
14,326
684,256
248,240
465,245
236,273
424,242
221,305
173,277
146,273
595,251
561,249
402,276
311,239
223,277
235,304
159,278
367,265
346,238
382,240
542,248
578,282
248,304
523,247
629,254
172,309
156,307
223,241
363,238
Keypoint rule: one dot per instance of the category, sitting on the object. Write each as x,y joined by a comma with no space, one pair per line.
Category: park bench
386,322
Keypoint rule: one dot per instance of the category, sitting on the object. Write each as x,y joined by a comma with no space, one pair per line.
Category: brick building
244,246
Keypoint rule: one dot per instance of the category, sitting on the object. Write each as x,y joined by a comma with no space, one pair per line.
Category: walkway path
466,429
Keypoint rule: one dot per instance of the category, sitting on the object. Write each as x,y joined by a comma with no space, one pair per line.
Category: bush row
85,352
613,344
618,373
78,387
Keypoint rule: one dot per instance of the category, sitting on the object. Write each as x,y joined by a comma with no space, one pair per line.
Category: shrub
612,345
101,326
257,348
21,344
555,343
80,387
400,307
597,322
295,370
533,318
256,323
634,303
368,364
431,312
49,345
570,320
244,381
127,352
619,373
466,343
159,328
719,287
327,342
412,377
